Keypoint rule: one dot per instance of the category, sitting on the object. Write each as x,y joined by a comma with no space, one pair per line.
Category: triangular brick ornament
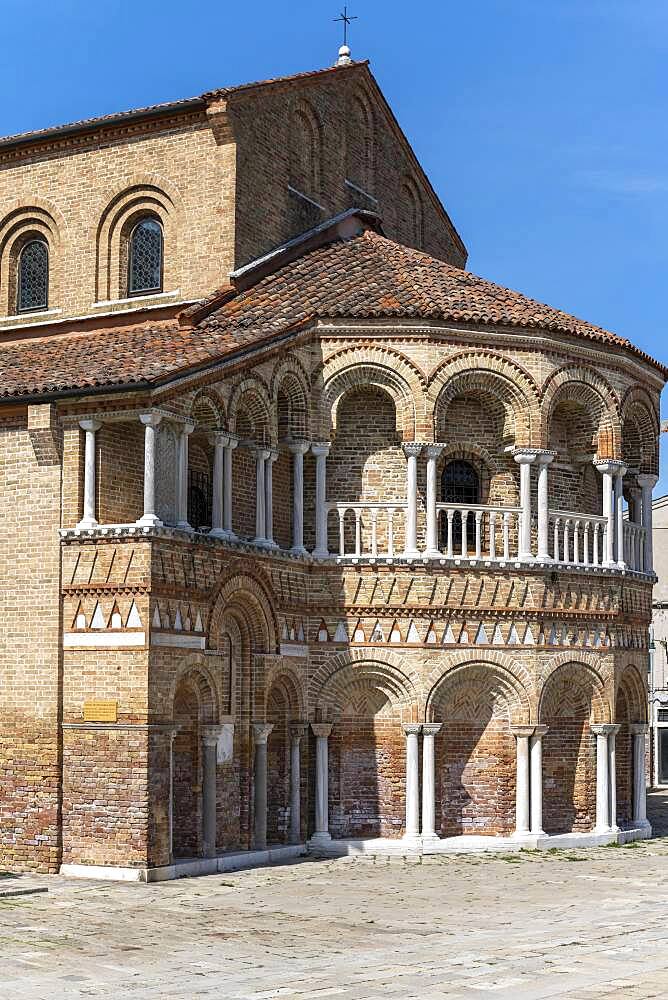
115,620
412,635
513,637
284,632
395,633
448,636
97,620
564,636
198,623
156,621
134,618
178,621
188,620
377,634
497,638
431,634
300,633
529,637
464,636
481,637
341,633
79,620
358,635
552,640
323,634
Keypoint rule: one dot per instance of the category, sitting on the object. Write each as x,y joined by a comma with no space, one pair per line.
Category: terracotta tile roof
365,277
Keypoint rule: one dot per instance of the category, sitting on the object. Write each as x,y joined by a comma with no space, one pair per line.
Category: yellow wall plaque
100,710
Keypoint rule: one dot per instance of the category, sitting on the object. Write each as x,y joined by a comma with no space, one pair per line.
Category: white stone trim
182,641
103,640
293,649
150,297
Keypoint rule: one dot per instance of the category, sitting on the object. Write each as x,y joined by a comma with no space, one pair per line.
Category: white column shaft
227,488
259,496
269,498
298,500
209,800
295,791
639,783
432,519
602,784
537,785
150,422
428,784
217,505
411,504
89,427
525,504
619,513
522,817
322,788
543,511
412,828
609,515
321,548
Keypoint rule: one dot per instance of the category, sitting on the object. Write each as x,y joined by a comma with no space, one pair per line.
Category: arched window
33,277
145,264
461,485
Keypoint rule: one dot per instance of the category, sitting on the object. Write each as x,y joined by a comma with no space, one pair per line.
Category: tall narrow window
461,486
145,264
33,277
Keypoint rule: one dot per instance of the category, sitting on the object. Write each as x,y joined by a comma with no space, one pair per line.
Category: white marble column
209,754
647,483
536,781
261,733
261,456
269,498
638,731
150,422
411,450
608,470
522,781
298,449
182,491
602,778
619,515
170,805
227,485
412,827
297,732
432,452
322,731
90,428
429,731
525,459
219,440
321,450
612,776
544,458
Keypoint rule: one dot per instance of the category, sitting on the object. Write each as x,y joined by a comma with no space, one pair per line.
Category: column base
219,533
184,526
149,521
87,522
523,834
320,838
411,554
429,838
320,553
642,824
430,554
299,550
260,540
412,836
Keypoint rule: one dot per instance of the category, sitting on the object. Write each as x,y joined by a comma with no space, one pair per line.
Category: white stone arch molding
385,369
504,671
143,195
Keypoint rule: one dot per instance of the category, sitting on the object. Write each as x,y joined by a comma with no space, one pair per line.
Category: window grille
33,277
461,485
199,500
145,270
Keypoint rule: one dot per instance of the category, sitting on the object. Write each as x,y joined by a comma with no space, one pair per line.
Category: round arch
585,388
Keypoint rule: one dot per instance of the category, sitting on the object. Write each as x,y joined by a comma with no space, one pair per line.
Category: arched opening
574,484
630,707
282,709
33,276
475,752
145,257
569,702
460,485
187,800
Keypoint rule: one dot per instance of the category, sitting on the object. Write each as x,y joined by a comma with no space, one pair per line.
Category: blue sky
541,125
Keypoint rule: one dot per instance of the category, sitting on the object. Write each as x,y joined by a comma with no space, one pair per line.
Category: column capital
298,730
232,440
273,454
544,456
612,466
434,450
322,729
219,438
525,456
647,480
90,424
604,729
320,447
261,731
525,731
412,728
298,447
431,728
261,451
540,730
188,427
210,735
638,728
150,419
412,448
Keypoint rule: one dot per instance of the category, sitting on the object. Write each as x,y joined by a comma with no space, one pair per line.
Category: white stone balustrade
372,521
495,527
634,546
577,539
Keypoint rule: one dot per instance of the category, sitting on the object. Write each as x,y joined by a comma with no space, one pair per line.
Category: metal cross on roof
346,18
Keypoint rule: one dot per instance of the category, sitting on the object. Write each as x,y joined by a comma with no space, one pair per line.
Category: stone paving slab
582,925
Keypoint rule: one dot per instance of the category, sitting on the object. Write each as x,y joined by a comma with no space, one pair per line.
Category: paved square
576,924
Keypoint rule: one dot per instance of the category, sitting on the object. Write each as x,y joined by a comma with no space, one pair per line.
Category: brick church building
310,536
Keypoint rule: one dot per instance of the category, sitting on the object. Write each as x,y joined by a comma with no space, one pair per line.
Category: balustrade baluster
451,516
567,540
556,549
374,532
465,525
342,532
478,534
576,542
358,532
390,531
506,536
492,534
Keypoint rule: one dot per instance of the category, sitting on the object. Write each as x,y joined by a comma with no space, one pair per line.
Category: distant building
658,680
